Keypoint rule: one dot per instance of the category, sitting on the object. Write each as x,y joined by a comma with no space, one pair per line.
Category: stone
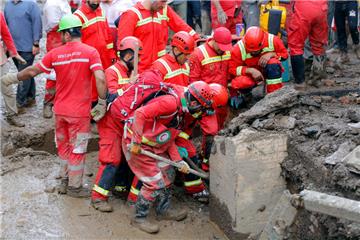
286,122
7,148
344,100
352,160
327,99
353,115
312,130
340,153
329,82
331,205
49,189
330,70
245,177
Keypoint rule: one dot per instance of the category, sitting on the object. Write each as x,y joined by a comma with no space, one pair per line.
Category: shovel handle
174,164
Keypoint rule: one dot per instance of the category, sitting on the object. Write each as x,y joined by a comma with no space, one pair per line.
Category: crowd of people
115,63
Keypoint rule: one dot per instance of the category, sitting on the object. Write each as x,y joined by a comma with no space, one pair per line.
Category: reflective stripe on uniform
245,55
120,188
145,140
207,59
85,60
76,167
100,190
177,72
192,32
205,160
157,177
239,70
110,45
274,81
161,53
196,182
94,20
121,80
184,135
43,66
134,191
142,21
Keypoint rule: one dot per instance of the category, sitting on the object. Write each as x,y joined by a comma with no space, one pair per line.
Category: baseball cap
222,37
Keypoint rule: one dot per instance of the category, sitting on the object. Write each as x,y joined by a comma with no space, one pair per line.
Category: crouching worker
153,128
255,59
74,64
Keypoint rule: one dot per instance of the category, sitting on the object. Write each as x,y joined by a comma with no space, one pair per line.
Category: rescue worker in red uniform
153,122
308,19
74,64
210,63
96,33
111,131
173,66
53,11
225,13
150,21
254,59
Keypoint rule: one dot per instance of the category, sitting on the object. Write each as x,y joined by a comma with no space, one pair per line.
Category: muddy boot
141,220
47,110
101,205
163,210
172,215
202,196
79,192
318,71
12,120
120,192
357,50
301,87
62,187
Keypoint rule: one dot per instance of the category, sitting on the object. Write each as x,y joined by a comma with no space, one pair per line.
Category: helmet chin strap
176,55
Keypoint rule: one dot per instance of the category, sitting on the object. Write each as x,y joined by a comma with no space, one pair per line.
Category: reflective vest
207,59
175,76
121,80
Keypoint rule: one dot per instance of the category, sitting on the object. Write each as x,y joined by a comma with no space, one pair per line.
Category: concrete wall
245,181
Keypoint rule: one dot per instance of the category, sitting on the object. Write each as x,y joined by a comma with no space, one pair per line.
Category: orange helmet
131,43
254,39
201,92
221,95
183,41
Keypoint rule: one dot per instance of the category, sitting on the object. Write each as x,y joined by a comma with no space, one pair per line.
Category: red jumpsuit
241,60
96,33
150,129
229,8
172,71
309,19
207,66
152,30
74,64
8,40
110,132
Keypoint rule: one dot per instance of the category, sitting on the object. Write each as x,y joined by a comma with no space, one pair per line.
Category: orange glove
135,148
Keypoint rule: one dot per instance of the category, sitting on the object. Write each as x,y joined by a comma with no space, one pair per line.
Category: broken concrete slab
245,180
340,153
281,218
284,98
352,160
331,205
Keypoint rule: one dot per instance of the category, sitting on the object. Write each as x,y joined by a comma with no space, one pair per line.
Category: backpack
148,86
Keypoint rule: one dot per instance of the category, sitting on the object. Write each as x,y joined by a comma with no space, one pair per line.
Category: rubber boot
202,196
47,110
163,210
79,192
318,71
62,187
141,220
12,120
101,205
298,69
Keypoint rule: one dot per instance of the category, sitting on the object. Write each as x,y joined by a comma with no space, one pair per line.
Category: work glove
236,102
183,152
184,167
221,16
135,148
99,110
10,78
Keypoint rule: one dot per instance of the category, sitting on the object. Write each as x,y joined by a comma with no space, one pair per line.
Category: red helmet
221,95
183,41
254,39
130,43
201,92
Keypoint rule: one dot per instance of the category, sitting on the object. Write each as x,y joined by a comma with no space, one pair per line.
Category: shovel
172,163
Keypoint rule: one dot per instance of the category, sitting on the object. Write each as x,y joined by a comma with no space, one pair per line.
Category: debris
344,100
312,131
339,155
329,82
7,148
352,160
50,189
